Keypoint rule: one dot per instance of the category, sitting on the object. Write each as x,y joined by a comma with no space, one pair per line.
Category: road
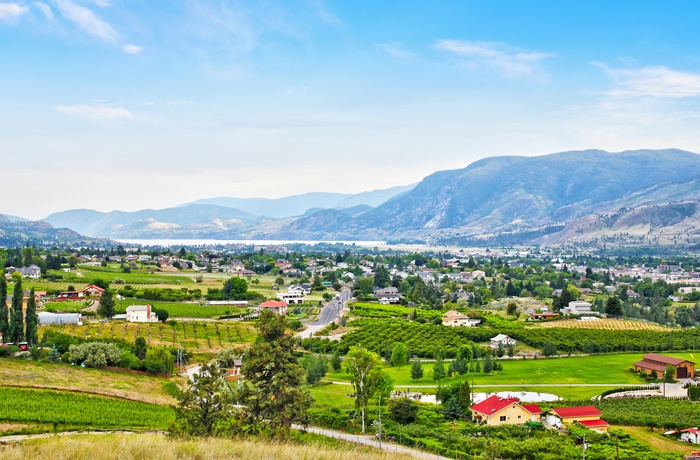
511,385
329,313
371,441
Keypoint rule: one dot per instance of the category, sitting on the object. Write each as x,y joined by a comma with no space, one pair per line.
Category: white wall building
141,314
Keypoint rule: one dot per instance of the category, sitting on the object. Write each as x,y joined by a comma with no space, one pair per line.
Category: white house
141,314
291,297
502,339
578,307
32,271
455,319
274,306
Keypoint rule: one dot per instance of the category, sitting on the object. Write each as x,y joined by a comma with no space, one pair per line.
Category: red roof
582,411
693,430
664,359
273,304
594,423
532,408
494,404
92,286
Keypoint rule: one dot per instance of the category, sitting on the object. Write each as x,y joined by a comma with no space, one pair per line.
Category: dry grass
657,441
608,324
62,376
128,447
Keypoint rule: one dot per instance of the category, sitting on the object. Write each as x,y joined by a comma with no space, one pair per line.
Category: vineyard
608,324
373,310
180,309
648,412
60,407
206,337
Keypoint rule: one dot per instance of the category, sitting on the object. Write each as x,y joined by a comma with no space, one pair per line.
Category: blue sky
126,104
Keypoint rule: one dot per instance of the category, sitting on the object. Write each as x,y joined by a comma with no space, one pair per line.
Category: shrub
403,410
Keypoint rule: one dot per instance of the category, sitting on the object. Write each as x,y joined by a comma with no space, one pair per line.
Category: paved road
371,441
511,385
328,314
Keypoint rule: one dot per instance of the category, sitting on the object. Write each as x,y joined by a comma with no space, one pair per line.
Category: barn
653,362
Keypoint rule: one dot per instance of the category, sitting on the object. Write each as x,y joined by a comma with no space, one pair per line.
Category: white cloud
87,20
102,3
506,58
132,49
394,49
657,82
11,10
95,112
45,9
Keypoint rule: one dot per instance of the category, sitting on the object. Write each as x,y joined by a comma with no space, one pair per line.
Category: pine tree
31,321
273,396
416,370
4,312
16,329
336,363
106,307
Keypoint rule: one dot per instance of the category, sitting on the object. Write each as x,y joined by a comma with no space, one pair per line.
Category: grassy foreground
128,447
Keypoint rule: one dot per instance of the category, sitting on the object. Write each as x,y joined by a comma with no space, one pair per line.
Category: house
299,289
578,307
454,318
92,291
543,316
652,362
46,318
588,416
272,305
291,297
691,435
141,314
496,411
234,373
89,291
502,339
32,271
386,299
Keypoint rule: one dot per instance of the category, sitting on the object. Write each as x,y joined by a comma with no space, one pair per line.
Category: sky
132,104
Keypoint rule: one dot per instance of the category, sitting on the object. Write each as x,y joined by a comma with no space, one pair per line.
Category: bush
403,410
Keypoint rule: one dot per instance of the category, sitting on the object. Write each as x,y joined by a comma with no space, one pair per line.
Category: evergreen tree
106,307
4,312
439,369
382,278
273,395
399,355
31,321
613,306
16,329
488,365
336,363
205,404
417,370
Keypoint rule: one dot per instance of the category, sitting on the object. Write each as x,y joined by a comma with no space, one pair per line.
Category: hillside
21,232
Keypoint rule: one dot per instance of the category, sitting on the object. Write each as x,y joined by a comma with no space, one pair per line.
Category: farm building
141,314
502,339
691,435
46,318
653,362
588,416
89,291
274,306
496,410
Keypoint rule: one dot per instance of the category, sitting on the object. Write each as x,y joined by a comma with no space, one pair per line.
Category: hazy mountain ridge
580,196
14,232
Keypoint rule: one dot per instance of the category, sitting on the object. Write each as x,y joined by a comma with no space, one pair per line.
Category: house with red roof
588,416
657,363
275,306
497,410
691,435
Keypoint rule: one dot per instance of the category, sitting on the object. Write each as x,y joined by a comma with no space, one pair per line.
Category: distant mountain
592,197
194,221
18,233
10,218
297,205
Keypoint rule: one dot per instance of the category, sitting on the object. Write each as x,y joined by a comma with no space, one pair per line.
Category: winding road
329,313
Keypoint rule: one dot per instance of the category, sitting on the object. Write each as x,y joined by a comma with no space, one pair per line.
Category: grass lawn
66,377
67,306
180,309
657,441
601,369
336,395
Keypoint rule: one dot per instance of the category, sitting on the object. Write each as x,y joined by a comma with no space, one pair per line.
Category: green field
67,306
62,407
180,309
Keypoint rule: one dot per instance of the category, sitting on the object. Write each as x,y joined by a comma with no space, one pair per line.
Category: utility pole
379,406
584,447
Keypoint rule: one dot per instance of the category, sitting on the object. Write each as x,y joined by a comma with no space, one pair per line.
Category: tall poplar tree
31,320
4,312
16,329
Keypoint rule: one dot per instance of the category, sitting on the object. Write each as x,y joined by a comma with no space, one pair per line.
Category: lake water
208,242
524,396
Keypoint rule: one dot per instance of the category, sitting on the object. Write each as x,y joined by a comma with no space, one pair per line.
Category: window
518,416
503,418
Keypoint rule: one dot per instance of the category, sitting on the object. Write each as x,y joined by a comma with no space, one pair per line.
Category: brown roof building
653,362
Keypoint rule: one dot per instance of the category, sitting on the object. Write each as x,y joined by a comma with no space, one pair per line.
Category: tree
225,358
336,363
417,370
140,348
613,306
549,349
273,395
106,308
669,373
316,370
31,320
16,328
4,312
360,363
162,314
439,369
512,307
235,288
205,404
159,361
382,277
488,365
399,355
95,354
403,410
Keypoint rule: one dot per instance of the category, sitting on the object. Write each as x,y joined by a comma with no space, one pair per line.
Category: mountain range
589,197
